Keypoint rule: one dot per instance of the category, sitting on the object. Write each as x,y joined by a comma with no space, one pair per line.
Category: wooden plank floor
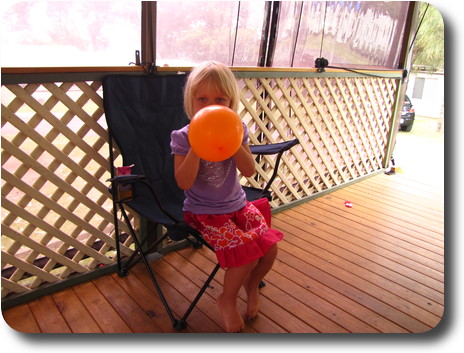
375,267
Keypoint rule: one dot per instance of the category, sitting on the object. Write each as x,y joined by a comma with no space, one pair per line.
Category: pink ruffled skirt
239,237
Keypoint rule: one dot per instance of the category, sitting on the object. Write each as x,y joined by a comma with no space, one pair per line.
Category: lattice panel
56,209
56,217
343,126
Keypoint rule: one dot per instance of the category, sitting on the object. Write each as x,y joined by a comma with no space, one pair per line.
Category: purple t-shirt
216,189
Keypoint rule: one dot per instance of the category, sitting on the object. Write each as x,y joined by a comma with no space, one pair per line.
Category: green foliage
429,49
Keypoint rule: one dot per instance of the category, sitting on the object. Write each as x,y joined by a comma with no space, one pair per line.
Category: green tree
429,49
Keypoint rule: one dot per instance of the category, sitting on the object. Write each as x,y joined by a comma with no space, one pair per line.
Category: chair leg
181,324
138,250
116,235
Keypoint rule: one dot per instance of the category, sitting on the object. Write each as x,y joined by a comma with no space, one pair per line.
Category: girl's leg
251,284
227,302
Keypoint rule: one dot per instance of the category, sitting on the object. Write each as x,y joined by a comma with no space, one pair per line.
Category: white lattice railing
56,209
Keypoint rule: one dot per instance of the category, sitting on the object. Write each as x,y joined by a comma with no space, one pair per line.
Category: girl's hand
186,169
245,161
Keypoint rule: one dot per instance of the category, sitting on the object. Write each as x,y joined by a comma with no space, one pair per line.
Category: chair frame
124,267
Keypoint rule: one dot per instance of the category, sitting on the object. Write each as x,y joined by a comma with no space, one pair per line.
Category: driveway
420,153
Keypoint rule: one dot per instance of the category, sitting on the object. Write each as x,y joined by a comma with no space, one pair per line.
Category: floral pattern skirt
238,237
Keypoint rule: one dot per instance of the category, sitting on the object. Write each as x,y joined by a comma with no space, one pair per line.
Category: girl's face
208,94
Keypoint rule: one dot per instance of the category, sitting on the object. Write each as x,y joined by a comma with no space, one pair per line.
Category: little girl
215,203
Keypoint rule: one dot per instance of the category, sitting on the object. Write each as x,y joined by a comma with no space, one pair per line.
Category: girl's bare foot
252,302
232,319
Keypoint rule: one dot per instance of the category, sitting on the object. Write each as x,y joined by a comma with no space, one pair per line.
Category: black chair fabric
141,113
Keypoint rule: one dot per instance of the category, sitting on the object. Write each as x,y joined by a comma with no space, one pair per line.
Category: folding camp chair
141,112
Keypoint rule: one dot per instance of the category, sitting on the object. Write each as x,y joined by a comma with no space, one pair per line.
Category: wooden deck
375,267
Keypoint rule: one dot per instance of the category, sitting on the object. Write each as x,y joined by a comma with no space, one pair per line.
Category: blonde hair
214,73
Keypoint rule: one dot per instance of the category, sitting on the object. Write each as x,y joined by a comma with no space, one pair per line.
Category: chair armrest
126,179
273,148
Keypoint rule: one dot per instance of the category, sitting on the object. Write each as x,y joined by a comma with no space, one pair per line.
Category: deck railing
56,208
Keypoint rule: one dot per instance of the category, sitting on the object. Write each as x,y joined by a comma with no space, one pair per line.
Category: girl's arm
245,161
186,169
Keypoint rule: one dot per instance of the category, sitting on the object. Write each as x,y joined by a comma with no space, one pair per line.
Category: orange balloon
215,133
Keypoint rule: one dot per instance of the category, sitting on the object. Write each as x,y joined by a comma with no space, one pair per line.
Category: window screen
70,33
191,32
347,33
107,33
